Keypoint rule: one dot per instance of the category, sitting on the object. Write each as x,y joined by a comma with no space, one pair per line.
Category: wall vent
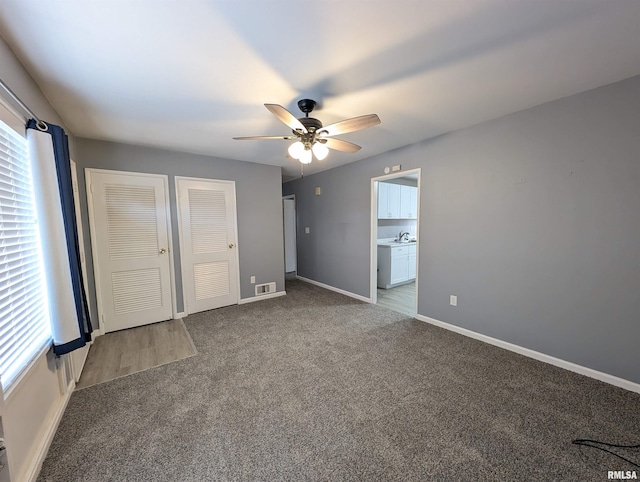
265,288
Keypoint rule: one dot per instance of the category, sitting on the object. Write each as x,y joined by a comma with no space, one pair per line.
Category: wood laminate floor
129,351
401,299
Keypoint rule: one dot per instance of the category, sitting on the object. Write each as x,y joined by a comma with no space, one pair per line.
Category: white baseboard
333,288
177,316
589,372
54,421
277,294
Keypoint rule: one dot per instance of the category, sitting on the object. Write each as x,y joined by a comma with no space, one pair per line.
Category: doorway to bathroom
395,221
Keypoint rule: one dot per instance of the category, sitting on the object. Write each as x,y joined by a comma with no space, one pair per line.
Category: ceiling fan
312,138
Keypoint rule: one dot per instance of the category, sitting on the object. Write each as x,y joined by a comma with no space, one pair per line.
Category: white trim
235,233
373,254
34,467
181,242
333,288
182,314
92,229
10,110
80,232
373,240
589,372
172,268
77,362
277,294
94,249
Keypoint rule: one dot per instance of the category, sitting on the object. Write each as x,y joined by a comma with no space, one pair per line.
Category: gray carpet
318,386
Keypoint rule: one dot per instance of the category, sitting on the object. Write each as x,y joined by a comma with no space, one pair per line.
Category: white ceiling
191,74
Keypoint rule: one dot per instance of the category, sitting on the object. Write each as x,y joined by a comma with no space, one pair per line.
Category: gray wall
533,220
259,205
336,250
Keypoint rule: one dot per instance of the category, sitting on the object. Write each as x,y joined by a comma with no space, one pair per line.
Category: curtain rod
19,102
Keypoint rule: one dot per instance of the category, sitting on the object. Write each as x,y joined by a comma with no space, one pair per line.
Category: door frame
79,357
236,258
373,267
92,228
295,230
83,257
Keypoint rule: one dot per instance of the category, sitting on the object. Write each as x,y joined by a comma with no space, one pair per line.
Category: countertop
391,243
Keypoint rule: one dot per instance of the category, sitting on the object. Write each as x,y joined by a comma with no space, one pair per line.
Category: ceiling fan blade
263,138
350,125
340,145
285,116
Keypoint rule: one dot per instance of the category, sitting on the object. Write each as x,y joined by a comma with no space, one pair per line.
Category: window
24,314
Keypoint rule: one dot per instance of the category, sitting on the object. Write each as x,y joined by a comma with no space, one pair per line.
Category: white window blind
24,315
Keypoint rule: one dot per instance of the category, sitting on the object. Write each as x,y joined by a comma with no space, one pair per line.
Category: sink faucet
403,235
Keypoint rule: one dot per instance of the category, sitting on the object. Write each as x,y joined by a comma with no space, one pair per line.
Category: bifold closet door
207,220
131,249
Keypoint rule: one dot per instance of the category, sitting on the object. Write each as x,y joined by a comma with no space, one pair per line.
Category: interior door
207,220
289,223
130,247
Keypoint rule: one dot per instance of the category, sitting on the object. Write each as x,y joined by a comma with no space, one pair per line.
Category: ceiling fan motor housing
311,123
306,106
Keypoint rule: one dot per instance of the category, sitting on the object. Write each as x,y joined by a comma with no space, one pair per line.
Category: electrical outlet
253,280
396,168
307,230
318,191
453,300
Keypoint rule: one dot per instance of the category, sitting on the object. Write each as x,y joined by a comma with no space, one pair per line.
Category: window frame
17,123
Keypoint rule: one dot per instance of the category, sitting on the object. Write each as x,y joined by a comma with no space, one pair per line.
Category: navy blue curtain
63,168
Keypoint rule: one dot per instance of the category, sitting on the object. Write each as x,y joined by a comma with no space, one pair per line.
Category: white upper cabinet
388,201
397,202
408,202
383,201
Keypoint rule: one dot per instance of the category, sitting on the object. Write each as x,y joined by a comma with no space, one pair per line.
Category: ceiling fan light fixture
296,149
320,151
311,137
305,156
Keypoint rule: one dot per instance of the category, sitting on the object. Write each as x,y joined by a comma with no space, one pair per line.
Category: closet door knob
162,251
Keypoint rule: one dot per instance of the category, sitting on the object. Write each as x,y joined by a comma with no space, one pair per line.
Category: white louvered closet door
131,237
208,243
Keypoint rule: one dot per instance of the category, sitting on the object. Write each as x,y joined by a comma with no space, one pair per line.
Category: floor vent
265,288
